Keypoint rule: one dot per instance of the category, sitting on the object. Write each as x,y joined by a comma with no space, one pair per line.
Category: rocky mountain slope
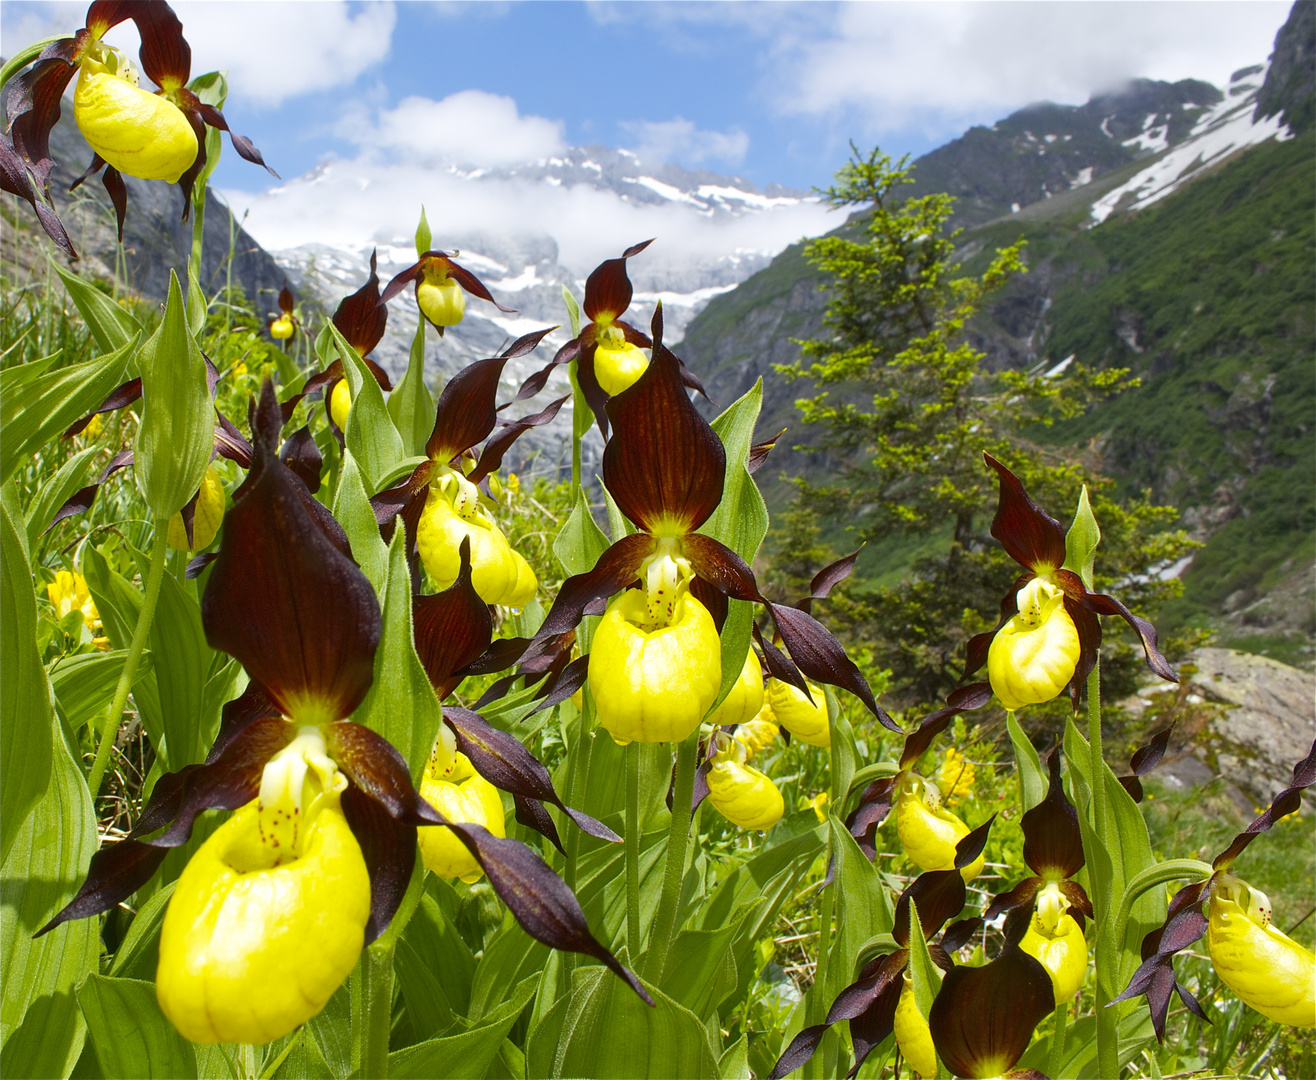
1204,288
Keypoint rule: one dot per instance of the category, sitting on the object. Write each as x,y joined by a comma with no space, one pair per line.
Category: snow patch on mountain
1222,130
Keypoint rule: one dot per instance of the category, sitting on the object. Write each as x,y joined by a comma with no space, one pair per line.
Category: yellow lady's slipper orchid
742,794
281,329
462,795
805,719
268,918
1056,941
1266,968
340,403
452,513
1033,656
928,831
617,363
138,133
760,732
744,699
440,297
956,776
913,1035
655,665
206,516
68,593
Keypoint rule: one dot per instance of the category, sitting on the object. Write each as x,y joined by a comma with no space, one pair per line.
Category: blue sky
769,91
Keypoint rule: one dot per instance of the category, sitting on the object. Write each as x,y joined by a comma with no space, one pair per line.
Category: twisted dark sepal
826,579
1144,759
821,658
1030,536
361,318
229,781
1285,803
617,567
1184,925
541,902
284,597
983,1017
467,409
452,628
502,760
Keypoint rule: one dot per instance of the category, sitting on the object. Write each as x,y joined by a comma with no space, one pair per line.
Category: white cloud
902,66
350,203
272,50
679,140
467,128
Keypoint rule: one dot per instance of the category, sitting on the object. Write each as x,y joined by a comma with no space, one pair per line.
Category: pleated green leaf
111,324
352,509
370,433
132,1038
468,1054
411,405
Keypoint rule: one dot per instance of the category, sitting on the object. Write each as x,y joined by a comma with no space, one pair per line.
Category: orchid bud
1266,968
744,699
742,794
1033,656
928,831
340,403
206,515
805,719
913,1035
269,916
453,513
461,795
281,329
1056,941
655,666
617,363
139,133
440,297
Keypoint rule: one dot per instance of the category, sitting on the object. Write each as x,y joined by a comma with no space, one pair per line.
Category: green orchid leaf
411,405
111,324
424,238
177,435
1081,541
353,511
138,954
581,541
468,1054
863,907
573,311
741,518
69,478
925,976
34,410
131,1035
1033,779
84,684
370,433
196,299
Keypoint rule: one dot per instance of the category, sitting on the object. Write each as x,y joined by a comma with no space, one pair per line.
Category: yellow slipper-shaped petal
1266,968
928,831
913,1035
745,698
1033,656
805,719
138,133
743,795
498,574
1064,954
206,516
465,797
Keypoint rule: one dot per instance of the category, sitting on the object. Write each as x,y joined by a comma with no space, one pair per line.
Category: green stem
1057,1059
579,785
579,426
198,227
371,996
110,725
633,929
664,920
1107,1019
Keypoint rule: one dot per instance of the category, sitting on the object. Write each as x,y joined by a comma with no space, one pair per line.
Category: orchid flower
154,136
1268,970
655,661
271,913
441,288
284,325
1050,627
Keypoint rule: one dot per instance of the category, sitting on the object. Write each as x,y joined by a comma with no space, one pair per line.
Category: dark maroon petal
546,909
392,501
1190,1002
466,412
229,442
196,566
539,379
758,453
373,765
939,895
1077,897
245,147
1108,605
504,762
664,465
32,103
361,318
119,397
1147,757
388,847
286,300
820,657
617,567
81,501
251,705
608,289
501,654
1021,895
303,457
595,396
780,667
691,382
165,55
118,192
983,1018
492,454
283,597
475,286
801,1049
190,105
116,872
188,514
871,1028
721,567
1285,803
452,628
381,376
826,579
531,814
971,846
573,677
960,933
874,805
401,281
1030,536
1053,842
14,179
961,700
859,996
